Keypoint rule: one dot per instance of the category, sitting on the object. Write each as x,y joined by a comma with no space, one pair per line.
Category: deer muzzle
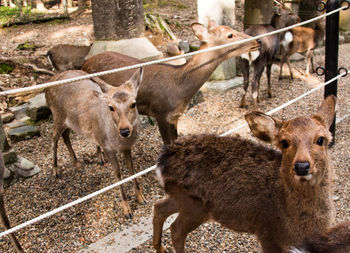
302,168
125,132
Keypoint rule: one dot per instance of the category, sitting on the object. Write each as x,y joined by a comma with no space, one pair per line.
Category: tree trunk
69,3
40,5
117,19
81,4
19,4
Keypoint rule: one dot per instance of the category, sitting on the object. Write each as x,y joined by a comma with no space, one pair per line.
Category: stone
19,111
4,145
341,39
16,123
24,168
37,108
7,117
296,57
222,86
196,99
9,156
140,48
146,121
184,46
226,70
23,133
7,174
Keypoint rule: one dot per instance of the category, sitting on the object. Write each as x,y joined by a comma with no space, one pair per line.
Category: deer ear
211,24
200,31
263,126
326,112
136,79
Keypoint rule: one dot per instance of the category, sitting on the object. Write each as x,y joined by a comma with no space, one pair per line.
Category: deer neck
192,75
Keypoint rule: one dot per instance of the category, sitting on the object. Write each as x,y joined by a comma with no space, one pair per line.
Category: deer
166,89
334,240
300,40
281,195
3,216
281,18
65,57
104,114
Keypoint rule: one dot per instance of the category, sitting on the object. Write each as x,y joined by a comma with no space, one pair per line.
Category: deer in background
334,240
167,89
280,196
99,112
299,40
65,57
281,18
3,216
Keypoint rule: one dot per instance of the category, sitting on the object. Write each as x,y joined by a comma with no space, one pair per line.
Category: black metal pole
332,48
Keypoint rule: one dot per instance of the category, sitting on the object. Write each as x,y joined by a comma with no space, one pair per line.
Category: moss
26,46
5,68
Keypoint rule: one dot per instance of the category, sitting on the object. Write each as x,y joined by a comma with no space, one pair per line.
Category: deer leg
258,70
245,70
140,198
309,62
173,132
190,217
115,165
161,211
268,243
290,69
99,155
55,136
281,67
268,75
164,129
73,157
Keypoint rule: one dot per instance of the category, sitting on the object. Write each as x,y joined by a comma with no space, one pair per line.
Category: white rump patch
245,56
255,95
254,54
251,56
295,250
288,38
160,177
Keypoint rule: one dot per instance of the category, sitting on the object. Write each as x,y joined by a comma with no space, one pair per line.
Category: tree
117,19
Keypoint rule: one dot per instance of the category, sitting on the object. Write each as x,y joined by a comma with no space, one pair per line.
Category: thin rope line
141,173
55,83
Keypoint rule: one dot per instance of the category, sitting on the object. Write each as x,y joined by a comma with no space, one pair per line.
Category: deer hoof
128,216
141,199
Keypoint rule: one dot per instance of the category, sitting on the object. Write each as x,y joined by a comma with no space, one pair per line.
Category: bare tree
115,19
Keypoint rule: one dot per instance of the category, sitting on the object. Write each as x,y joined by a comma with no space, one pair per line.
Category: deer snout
302,168
124,132
259,41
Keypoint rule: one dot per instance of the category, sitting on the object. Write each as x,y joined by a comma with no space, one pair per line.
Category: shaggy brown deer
280,196
108,117
65,57
282,17
3,216
334,240
299,40
167,89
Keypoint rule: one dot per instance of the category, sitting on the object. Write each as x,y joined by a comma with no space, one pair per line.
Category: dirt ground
77,227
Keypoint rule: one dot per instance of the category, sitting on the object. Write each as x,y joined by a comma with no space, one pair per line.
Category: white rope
141,173
55,83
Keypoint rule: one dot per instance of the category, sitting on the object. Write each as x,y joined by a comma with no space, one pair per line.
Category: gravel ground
77,227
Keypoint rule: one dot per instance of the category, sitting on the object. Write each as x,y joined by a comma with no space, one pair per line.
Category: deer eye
133,105
320,141
111,108
230,36
284,144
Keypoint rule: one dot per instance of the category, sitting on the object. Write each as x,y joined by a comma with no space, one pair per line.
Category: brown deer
281,18
299,40
167,89
334,240
280,196
3,216
108,117
65,57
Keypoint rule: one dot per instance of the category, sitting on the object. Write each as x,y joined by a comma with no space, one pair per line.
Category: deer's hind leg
57,132
161,211
191,215
245,71
73,157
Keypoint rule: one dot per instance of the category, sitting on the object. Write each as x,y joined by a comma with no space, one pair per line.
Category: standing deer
299,40
107,116
334,240
281,18
65,57
167,89
280,196
3,215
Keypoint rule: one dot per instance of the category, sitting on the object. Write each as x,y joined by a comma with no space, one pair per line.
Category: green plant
5,68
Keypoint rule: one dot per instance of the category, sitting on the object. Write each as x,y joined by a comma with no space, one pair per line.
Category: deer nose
259,41
302,168
124,132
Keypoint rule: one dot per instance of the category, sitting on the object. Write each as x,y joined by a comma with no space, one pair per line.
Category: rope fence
107,72
50,84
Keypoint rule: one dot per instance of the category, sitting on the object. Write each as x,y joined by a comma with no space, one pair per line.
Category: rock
184,46
16,123
226,70
341,39
146,121
24,168
19,111
172,49
222,86
196,99
23,133
4,145
297,57
37,108
7,117
7,174
140,48
9,156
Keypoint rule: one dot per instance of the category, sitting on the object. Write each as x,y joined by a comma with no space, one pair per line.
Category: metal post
332,48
